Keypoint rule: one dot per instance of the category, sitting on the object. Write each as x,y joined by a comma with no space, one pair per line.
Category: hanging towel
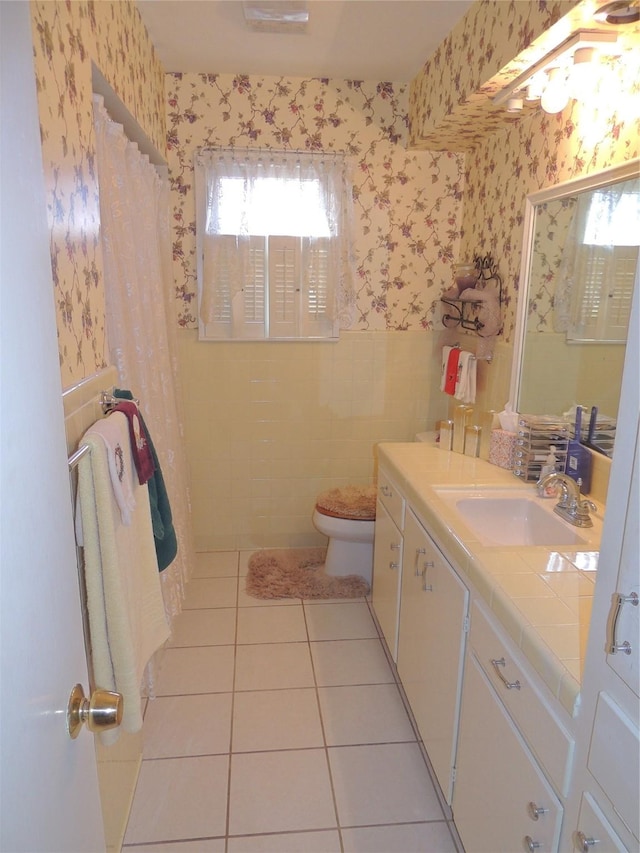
488,312
121,478
465,388
139,441
164,534
450,369
127,621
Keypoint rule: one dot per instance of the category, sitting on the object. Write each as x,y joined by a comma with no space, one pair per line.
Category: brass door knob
103,711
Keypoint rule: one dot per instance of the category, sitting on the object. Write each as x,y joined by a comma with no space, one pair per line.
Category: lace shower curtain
134,213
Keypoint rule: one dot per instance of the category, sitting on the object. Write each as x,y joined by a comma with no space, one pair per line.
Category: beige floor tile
371,713
214,626
276,719
271,625
384,783
216,564
327,841
279,792
211,592
273,666
415,837
188,725
342,621
350,662
245,600
179,798
208,669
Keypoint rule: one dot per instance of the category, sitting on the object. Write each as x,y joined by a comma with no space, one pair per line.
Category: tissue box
502,448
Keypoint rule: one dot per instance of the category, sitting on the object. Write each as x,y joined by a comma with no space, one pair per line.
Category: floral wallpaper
407,203
68,37
450,99
553,219
509,157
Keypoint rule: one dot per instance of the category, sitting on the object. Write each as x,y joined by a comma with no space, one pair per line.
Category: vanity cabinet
502,800
387,560
514,755
431,644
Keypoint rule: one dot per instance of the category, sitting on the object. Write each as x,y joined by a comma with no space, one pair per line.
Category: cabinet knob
386,491
530,844
535,811
583,843
393,565
416,568
395,546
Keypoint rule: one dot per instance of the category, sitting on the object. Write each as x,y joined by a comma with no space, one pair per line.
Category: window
273,248
603,263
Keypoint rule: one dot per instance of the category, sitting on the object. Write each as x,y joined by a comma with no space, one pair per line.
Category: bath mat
298,573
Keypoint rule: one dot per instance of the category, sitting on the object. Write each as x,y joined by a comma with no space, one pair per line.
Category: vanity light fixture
568,71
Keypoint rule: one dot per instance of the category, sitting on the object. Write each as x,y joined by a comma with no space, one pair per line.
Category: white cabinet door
594,829
498,782
431,642
387,571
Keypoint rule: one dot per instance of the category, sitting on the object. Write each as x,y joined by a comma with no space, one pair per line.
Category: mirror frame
604,178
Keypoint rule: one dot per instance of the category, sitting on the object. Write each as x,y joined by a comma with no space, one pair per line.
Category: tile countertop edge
416,468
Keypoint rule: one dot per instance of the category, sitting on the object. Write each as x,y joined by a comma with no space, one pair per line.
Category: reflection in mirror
579,262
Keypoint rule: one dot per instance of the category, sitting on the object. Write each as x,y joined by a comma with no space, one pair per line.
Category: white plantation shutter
274,257
602,297
284,287
227,311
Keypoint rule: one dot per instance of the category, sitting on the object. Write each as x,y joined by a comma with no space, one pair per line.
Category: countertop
540,595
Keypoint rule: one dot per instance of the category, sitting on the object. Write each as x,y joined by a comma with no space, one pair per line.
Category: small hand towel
139,441
443,366
488,312
452,371
164,534
465,389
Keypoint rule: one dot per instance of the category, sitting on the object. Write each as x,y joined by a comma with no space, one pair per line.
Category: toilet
347,516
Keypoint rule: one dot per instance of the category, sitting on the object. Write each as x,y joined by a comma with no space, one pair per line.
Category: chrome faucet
571,506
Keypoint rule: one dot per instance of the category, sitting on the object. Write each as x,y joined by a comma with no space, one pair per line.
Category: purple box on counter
502,448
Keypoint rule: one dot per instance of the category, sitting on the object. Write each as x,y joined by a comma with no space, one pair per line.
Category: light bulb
583,74
535,87
556,94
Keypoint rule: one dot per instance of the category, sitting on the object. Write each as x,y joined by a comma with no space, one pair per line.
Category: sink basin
509,517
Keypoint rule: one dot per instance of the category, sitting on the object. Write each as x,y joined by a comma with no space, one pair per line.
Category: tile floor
278,727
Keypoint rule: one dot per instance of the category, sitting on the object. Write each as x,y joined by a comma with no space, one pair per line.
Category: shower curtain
141,326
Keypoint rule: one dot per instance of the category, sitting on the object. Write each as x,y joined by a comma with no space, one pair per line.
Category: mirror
579,262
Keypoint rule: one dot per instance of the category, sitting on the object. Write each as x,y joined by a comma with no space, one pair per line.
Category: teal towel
164,534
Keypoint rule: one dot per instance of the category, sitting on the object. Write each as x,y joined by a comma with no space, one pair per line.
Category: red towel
451,376
140,451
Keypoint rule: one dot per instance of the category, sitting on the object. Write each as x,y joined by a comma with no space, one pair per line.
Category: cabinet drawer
391,499
545,735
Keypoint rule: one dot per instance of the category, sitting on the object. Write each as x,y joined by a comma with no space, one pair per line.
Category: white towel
466,381
127,621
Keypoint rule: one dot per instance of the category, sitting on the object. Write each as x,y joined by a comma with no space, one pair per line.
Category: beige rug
298,573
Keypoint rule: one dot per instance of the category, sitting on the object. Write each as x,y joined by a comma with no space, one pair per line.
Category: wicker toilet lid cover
354,502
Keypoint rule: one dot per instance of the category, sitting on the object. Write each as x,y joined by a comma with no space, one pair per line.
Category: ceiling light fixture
619,13
276,16
567,71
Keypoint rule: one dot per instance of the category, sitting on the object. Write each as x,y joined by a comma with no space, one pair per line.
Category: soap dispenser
549,467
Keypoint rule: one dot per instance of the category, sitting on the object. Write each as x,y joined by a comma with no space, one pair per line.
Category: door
49,796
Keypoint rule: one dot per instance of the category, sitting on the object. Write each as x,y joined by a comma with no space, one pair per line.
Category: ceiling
382,40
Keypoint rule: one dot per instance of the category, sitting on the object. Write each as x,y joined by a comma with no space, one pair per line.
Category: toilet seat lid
357,503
